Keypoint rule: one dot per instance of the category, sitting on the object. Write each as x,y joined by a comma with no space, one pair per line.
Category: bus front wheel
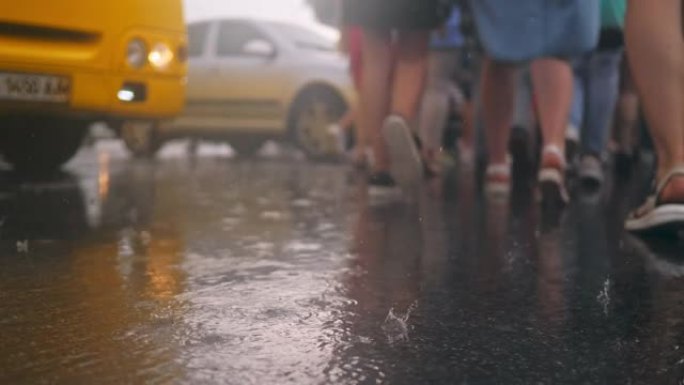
40,144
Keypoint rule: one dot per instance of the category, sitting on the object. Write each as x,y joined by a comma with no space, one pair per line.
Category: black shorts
396,14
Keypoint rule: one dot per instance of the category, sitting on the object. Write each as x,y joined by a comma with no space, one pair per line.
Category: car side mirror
259,48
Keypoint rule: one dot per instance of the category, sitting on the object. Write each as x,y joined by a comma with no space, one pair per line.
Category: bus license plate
36,88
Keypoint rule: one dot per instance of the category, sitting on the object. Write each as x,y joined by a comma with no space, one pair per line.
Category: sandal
498,179
654,216
552,177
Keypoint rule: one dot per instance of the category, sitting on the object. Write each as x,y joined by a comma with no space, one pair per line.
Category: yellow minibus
68,63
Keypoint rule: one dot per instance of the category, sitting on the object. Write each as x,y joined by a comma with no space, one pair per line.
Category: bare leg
498,99
347,120
468,134
552,80
656,54
627,115
433,118
410,73
375,92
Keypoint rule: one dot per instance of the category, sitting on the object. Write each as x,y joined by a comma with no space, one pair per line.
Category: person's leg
407,87
498,101
435,103
552,80
354,37
626,115
524,125
411,55
603,81
467,82
466,144
602,92
376,92
577,109
656,54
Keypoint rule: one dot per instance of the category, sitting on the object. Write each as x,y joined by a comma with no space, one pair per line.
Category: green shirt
613,13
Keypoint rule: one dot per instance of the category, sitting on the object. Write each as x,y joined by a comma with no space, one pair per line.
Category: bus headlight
160,56
136,53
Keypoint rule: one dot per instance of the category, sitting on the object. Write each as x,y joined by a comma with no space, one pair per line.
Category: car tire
312,114
141,138
41,145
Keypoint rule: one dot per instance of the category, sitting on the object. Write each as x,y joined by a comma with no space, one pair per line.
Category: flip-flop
657,217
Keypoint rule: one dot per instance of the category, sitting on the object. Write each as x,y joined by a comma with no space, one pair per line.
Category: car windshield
304,38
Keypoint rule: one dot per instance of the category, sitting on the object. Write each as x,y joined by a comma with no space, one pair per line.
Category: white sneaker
406,165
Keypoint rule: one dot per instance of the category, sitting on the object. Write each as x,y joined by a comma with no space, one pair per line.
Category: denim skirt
521,30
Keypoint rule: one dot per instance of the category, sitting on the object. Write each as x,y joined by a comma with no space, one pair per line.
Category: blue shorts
522,30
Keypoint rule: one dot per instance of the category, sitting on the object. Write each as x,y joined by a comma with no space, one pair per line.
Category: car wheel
41,145
313,113
141,138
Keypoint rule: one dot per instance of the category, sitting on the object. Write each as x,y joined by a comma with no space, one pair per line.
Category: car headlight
136,53
160,56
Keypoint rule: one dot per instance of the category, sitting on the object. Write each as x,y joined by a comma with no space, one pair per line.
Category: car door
251,83
201,89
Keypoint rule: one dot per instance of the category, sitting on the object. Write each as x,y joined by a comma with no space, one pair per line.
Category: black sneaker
381,186
590,171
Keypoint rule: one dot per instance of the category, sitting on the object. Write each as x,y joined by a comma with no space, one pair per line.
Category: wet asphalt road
214,271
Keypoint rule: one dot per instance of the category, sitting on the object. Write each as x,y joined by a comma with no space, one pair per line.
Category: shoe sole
663,220
552,191
406,165
590,177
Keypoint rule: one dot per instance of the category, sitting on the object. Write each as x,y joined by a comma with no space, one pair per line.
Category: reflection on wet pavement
210,270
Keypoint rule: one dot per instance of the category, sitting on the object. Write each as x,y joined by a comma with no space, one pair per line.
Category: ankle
553,156
673,191
664,167
497,160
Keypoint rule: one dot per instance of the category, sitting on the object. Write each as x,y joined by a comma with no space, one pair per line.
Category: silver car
250,81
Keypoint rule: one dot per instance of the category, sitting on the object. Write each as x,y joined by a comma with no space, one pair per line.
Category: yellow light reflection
103,175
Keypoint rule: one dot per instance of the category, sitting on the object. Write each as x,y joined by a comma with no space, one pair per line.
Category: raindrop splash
603,297
396,326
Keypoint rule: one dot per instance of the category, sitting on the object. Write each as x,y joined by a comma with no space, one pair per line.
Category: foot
406,165
382,187
591,171
498,179
663,211
432,162
673,192
359,158
552,178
